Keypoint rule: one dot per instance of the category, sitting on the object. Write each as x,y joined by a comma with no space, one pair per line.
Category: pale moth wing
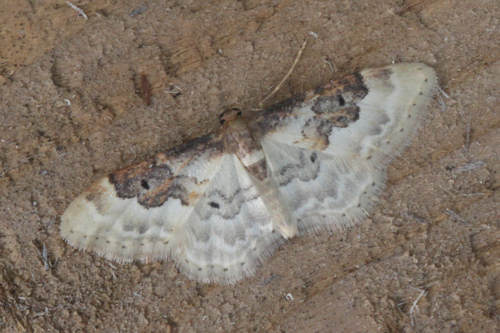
328,155
219,205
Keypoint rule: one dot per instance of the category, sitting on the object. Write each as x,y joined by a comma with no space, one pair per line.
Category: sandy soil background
427,260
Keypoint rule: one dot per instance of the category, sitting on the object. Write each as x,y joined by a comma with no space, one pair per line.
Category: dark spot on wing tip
214,204
341,100
145,184
313,157
134,181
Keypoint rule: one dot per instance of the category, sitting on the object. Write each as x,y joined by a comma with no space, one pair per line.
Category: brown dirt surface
427,260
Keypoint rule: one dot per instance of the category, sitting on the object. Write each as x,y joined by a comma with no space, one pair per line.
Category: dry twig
78,9
297,58
414,306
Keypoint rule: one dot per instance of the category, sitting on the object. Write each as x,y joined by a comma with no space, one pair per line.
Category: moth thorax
239,141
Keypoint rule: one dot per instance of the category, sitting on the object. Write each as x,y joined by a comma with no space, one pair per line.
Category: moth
220,204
